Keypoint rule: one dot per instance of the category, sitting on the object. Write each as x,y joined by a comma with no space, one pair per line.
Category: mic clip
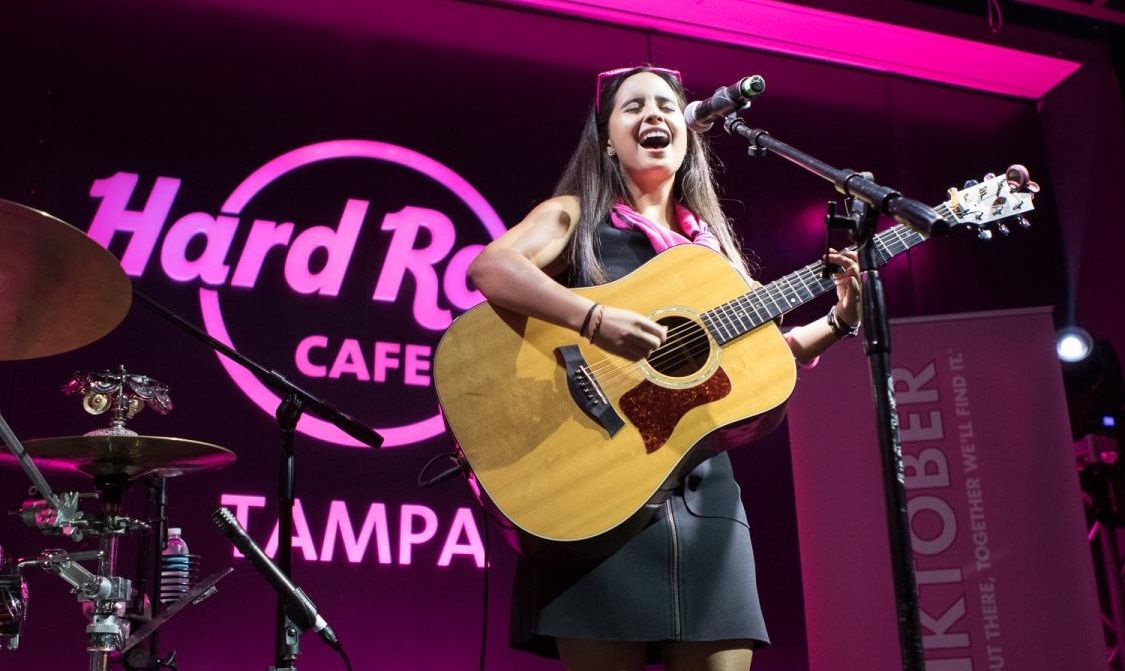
460,467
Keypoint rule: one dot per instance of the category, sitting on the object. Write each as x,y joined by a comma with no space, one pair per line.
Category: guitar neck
750,310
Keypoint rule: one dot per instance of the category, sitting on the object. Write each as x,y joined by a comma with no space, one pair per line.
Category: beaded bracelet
841,328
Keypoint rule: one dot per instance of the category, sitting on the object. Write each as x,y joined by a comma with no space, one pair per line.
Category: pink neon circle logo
213,320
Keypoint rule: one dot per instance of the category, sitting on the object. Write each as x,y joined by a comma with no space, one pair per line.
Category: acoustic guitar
569,442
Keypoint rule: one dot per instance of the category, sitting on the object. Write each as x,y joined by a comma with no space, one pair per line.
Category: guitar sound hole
685,352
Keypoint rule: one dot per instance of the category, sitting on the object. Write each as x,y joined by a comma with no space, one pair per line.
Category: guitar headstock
988,205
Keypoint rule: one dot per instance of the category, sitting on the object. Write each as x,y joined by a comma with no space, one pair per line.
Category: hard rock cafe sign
375,261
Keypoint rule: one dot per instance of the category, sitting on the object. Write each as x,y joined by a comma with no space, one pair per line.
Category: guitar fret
761,314
744,320
729,331
749,311
772,292
723,323
882,252
794,292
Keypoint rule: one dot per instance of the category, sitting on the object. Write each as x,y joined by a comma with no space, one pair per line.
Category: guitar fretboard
750,310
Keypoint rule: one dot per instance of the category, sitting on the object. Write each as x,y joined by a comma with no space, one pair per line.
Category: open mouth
655,139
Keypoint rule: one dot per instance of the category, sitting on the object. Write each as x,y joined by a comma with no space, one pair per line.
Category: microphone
297,605
701,114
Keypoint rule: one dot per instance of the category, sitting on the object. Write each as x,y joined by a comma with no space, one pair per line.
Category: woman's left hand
847,285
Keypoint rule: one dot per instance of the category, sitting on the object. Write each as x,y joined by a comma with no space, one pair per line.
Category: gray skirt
688,576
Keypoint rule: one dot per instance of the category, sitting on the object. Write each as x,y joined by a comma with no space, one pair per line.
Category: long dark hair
597,181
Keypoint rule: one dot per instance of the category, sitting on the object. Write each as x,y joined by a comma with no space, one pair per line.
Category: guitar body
572,444
561,471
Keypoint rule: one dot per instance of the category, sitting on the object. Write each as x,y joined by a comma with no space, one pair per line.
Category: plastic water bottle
175,567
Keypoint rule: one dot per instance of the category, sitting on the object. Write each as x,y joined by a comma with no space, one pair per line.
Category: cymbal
59,290
132,457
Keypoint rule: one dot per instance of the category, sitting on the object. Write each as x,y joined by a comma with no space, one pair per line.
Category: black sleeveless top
689,576
621,250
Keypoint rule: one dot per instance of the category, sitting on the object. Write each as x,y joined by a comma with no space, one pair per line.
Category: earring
610,151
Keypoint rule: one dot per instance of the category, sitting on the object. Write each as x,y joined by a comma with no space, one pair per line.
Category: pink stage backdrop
1004,572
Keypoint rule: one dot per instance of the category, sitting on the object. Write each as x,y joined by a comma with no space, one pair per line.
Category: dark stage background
207,96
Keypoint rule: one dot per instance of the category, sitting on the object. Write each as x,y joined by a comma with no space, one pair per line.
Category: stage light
1092,377
1073,344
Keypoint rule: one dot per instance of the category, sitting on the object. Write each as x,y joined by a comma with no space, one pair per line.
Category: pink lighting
420,527
769,25
404,257
835,38
421,239
268,401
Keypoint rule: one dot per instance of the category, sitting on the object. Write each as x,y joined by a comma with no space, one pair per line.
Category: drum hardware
64,519
52,274
102,597
125,393
114,457
199,593
110,602
13,604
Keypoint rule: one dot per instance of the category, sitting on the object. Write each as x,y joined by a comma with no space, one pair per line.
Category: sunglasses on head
610,74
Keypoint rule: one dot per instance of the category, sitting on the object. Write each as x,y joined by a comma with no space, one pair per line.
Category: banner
1004,574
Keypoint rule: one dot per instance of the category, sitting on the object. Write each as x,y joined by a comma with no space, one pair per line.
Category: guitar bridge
586,392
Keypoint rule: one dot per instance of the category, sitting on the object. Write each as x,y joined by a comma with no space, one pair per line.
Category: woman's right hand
628,334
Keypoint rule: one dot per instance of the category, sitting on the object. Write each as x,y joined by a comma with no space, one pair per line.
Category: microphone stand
295,402
866,202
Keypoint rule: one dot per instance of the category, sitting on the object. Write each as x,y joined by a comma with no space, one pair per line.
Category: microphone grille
224,519
691,118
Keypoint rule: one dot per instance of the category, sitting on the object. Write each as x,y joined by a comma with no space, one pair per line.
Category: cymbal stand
59,513
134,656
148,586
156,502
107,595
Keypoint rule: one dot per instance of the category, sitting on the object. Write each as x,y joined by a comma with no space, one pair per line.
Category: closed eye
665,105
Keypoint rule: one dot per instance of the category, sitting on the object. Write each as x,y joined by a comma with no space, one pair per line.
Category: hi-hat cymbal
131,457
59,290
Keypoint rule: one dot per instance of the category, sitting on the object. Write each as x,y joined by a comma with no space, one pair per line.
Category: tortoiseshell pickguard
656,410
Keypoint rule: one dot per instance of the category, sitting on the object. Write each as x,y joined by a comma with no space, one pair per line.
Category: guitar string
894,241
691,333
608,373
724,315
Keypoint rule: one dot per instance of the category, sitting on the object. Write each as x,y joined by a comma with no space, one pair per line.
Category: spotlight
1073,344
1095,388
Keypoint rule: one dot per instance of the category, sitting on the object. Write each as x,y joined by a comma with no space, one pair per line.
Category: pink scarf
695,231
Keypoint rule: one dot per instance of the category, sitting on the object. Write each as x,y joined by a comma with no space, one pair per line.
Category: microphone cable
460,467
487,538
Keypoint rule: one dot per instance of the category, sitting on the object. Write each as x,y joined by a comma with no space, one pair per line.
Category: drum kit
60,290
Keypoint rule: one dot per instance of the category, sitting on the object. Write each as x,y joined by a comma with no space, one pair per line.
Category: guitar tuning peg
1024,224
970,184
988,176
984,234
1003,228
1017,176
